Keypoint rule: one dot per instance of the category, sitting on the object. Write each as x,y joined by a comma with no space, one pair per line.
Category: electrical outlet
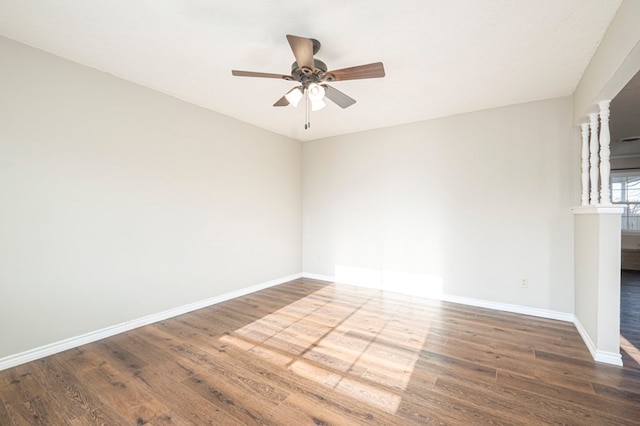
524,283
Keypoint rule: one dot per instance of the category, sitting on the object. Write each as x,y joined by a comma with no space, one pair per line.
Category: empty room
292,213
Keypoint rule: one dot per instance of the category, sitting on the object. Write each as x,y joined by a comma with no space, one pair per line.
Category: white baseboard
585,337
598,355
73,342
517,309
608,358
318,277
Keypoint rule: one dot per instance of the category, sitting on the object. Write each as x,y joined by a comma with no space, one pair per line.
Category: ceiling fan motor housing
306,75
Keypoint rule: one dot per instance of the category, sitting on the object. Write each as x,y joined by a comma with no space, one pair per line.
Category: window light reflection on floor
628,347
366,352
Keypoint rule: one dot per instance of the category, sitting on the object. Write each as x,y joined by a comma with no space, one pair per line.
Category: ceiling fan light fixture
316,92
317,104
294,96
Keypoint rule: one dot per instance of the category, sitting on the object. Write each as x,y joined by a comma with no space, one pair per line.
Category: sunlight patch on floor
630,349
366,351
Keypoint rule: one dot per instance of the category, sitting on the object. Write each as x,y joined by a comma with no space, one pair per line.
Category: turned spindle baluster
605,153
585,163
593,148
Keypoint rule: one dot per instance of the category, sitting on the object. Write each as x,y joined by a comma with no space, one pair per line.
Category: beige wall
473,203
597,280
118,202
587,258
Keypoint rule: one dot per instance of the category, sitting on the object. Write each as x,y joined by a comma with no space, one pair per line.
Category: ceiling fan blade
260,74
281,102
303,51
339,98
375,70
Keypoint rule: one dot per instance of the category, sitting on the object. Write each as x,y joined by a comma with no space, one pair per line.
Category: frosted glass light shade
316,92
317,104
293,96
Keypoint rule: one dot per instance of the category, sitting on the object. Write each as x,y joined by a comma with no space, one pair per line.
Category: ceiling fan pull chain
307,117
309,109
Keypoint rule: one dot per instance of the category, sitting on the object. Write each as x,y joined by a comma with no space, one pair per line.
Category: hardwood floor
630,319
308,352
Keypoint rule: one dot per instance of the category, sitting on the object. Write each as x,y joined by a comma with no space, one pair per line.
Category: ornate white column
585,164
605,153
593,147
597,245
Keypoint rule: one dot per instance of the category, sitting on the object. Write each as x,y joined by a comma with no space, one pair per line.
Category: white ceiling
441,57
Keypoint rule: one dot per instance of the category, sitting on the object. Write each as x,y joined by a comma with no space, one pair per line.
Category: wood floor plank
230,400
117,390
5,418
617,406
562,380
310,352
534,408
98,416
61,387
222,371
20,384
179,399
312,412
35,411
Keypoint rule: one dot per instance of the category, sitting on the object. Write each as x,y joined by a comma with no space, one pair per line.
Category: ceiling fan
313,75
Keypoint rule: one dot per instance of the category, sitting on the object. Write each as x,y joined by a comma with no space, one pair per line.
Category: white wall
118,202
474,202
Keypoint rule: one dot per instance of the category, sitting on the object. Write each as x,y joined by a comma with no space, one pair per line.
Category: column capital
604,104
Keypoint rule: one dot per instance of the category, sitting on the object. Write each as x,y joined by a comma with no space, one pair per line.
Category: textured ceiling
442,57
